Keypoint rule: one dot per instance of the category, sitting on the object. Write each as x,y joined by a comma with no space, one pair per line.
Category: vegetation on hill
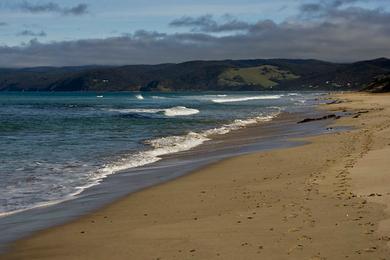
260,74
380,85
266,76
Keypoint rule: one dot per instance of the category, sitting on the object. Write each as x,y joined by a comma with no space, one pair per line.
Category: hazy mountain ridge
260,74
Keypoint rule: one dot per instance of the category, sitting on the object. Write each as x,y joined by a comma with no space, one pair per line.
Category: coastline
253,138
273,204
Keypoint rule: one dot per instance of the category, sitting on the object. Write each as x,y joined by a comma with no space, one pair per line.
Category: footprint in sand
295,229
294,248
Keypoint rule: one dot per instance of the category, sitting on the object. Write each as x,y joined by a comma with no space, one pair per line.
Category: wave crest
180,111
241,99
171,112
139,97
174,144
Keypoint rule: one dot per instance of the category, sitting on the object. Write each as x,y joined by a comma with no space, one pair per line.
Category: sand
327,199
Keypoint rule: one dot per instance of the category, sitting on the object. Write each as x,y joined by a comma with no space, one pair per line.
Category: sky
118,32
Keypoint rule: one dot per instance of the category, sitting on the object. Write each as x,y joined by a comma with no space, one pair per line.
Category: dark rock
335,102
306,120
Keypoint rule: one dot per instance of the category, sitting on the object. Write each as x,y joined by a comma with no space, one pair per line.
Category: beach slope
314,201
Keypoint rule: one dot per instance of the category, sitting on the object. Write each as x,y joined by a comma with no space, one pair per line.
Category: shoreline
186,142
270,204
261,136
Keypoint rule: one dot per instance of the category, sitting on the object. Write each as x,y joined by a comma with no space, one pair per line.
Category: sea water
55,145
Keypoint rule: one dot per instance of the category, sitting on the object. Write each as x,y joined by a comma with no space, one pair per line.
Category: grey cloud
339,12
310,7
325,6
342,34
31,33
51,7
207,23
3,24
338,3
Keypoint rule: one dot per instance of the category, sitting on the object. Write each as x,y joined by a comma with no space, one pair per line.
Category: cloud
311,7
342,32
206,23
51,7
3,24
31,33
324,8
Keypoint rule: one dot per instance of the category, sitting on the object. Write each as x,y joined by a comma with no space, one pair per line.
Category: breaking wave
174,144
139,97
241,99
171,112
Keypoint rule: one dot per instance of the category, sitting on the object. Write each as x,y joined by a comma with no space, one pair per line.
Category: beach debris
331,116
359,113
335,102
363,111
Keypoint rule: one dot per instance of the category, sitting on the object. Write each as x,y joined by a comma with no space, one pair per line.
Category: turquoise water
55,145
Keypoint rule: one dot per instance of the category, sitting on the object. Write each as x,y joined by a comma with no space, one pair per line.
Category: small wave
139,97
99,96
241,99
171,112
136,110
38,205
159,147
180,111
174,144
158,97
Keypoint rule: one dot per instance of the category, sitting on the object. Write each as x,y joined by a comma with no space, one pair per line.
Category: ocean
56,145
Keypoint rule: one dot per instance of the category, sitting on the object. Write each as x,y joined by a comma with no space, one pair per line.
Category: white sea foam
174,144
171,112
136,110
158,148
241,99
139,96
42,204
180,111
158,97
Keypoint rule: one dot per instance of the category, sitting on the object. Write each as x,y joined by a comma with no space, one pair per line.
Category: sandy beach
327,199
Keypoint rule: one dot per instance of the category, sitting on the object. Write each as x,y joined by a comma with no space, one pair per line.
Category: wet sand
313,201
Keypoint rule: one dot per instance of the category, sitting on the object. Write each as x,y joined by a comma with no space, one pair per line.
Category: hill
380,85
259,74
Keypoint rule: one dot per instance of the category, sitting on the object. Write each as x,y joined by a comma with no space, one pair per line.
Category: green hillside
380,85
266,76
236,75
